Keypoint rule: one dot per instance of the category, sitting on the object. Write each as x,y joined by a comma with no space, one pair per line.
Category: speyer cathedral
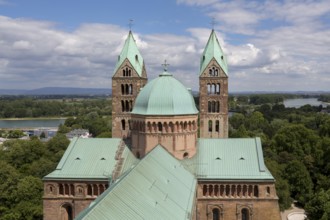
166,159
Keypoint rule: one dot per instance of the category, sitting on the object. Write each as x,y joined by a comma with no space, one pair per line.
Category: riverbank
31,118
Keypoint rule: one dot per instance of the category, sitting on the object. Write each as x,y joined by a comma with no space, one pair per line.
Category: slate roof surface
213,50
158,187
89,158
229,159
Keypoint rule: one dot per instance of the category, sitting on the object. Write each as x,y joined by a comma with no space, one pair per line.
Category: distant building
156,166
83,133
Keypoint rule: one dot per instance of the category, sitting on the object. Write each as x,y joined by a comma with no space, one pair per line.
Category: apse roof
165,95
213,50
131,52
158,187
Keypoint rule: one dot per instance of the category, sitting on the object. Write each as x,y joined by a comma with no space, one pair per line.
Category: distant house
83,133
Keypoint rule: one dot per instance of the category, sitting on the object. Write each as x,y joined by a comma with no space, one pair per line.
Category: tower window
217,126
210,126
123,124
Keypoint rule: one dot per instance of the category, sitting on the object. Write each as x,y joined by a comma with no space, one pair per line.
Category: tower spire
130,24
213,23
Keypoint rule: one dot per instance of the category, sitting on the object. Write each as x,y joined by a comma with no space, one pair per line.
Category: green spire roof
130,52
213,50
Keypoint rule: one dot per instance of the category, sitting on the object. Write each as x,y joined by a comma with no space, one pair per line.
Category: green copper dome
164,96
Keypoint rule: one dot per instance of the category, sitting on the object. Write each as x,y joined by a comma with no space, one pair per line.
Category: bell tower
213,91
128,78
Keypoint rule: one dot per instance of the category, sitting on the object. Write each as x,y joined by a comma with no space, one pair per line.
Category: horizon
270,46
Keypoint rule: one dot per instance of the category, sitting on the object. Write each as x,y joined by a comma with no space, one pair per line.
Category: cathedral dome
165,95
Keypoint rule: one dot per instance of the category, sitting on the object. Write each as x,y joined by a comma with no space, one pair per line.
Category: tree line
296,144
27,107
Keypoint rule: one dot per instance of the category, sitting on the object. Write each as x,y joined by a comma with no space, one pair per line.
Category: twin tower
163,111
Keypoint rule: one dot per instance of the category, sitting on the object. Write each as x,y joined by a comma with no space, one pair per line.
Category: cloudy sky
270,45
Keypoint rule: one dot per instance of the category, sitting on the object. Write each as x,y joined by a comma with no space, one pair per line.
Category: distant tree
42,135
301,185
318,208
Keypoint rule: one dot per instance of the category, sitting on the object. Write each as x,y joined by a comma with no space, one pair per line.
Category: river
30,123
296,103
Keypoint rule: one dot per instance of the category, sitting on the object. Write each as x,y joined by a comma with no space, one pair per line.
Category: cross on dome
165,65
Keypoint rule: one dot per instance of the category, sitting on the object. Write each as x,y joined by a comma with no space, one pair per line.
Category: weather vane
165,65
130,24
213,23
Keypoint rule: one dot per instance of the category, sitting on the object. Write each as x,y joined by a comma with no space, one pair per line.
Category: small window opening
215,214
136,58
102,158
242,158
185,155
218,158
77,158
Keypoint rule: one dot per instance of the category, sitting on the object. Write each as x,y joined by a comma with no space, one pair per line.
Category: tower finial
130,24
213,23
165,65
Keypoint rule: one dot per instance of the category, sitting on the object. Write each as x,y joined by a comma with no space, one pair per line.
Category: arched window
217,126
126,106
89,190
138,155
210,72
210,126
136,58
66,212
256,191
215,214
185,155
204,190
214,88
130,105
61,190
122,106
268,190
209,106
216,72
122,89
126,89
129,73
208,88
245,214
123,124
160,127
213,106
171,127
130,89
124,72
218,88
217,106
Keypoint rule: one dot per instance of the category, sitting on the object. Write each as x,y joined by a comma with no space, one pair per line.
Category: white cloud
269,46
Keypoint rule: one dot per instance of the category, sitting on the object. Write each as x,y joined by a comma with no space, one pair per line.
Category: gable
158,187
